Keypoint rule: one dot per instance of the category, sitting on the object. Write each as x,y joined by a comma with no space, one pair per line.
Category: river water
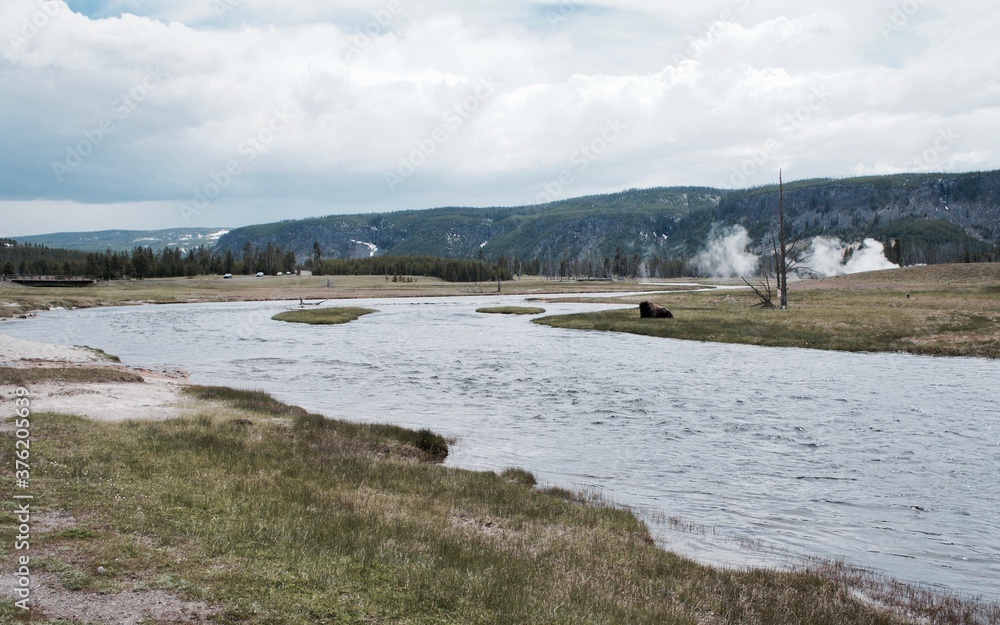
887,461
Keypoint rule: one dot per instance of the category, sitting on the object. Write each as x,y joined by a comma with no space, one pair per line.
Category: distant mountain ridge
636,219
938,218
127,240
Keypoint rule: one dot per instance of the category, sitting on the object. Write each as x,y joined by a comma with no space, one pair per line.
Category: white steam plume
826,257
725,255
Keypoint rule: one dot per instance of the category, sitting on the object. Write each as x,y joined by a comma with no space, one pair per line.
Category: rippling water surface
888,461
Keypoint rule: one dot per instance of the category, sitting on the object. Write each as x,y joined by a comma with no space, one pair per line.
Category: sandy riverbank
156,396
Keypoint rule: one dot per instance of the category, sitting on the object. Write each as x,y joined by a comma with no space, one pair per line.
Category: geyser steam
726,255
830,257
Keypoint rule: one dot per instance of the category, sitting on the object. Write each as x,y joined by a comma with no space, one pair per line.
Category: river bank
238,508
18,301
940,310
946,310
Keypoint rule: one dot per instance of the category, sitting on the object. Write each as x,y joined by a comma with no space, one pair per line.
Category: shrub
519,476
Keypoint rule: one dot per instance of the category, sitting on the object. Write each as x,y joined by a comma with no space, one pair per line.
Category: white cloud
705,92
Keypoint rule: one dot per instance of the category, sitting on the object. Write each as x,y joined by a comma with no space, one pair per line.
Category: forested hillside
126,240
928,218
936,217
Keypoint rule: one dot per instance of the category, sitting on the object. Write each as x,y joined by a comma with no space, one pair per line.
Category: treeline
618,267
172,262
142,262
621,266
447,269
39,260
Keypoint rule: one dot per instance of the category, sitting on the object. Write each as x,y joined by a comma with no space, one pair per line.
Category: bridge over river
52,281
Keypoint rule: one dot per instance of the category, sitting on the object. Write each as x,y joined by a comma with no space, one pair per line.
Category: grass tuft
22,376
519,476
251,401
323,316
511,310
100,353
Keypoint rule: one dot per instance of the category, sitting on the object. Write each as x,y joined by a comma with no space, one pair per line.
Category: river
887,461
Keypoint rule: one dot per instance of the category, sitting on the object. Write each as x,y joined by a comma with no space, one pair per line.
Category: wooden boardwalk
51,281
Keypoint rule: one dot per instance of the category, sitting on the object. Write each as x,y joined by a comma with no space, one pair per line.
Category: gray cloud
140,103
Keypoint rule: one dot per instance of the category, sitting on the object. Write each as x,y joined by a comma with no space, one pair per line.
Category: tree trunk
783,236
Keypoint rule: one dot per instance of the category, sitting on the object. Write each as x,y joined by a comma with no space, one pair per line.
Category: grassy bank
16,300
511,310
334,315
24,376
271,515
949,310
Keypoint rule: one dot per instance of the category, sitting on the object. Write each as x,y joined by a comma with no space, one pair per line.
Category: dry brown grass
951,310
18,300
918,603
23,376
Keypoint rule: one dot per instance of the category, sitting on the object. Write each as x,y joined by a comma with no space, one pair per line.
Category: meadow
947,310
330,315
16,300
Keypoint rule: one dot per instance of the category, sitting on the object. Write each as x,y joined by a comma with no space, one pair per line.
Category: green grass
519,476
428,445
511,310
22,376
285,517
101,354
323,316
250,401
937,319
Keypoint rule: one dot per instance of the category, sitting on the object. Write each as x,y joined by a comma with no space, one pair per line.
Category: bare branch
763,292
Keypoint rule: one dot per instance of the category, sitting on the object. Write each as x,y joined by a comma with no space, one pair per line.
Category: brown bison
649,310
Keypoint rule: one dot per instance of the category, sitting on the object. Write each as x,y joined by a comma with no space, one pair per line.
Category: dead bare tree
786,257
763,291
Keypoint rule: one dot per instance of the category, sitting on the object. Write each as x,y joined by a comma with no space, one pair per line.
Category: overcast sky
219,113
